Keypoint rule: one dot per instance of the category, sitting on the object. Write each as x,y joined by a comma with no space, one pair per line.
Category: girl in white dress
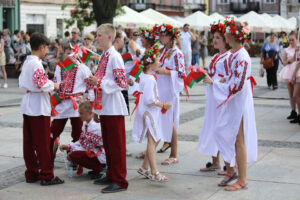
148,109
170,83
235,132
217,70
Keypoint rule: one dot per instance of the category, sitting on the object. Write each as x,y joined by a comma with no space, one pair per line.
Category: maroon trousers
80,158
114,142
36,144
57,127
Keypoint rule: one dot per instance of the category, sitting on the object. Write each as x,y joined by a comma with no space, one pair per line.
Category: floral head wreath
217,27
166,29
149,34
156,30
230,27
151,55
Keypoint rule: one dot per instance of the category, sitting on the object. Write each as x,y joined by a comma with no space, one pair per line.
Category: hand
68,156
291,60
137,80
294,78
160,71
93,80
222,80
138,53
167,105
130,82
261,61
63,147
56,86
208,80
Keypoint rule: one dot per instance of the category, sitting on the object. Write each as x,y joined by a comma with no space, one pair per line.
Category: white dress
90,140
235,102
147,113
169,87
34,80
218,69
72,82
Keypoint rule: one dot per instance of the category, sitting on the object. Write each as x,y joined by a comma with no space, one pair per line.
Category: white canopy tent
255,21
293,21
198,20
275,27
132,19
284,23
160,18
216,17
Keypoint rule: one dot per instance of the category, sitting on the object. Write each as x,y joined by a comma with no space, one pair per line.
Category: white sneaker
5,85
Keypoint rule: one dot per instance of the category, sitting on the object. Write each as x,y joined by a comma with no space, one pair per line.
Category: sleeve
150,95
179,72
119,81
262,49
224,91
57,76
41,81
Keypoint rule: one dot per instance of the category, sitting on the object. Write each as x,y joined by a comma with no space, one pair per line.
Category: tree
103,11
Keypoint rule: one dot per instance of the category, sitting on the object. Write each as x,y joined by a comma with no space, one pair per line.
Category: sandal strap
242,186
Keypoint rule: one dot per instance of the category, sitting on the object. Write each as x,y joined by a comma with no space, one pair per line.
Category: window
223,1
270,1
59,28
162,2
174,2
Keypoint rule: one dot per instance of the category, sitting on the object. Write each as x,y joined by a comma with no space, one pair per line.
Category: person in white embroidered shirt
186,38
36,110
72,77
88,151
110,80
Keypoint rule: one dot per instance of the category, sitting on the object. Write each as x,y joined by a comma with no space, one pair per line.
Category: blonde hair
108,29
86,105
90,36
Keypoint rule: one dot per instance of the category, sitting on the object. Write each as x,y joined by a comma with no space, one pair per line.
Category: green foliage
83,14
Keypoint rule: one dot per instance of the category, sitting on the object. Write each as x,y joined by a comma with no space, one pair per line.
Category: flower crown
217,27
166,29
149,34
150,55
230,27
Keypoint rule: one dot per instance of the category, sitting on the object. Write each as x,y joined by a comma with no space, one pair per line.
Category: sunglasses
74,32
87,39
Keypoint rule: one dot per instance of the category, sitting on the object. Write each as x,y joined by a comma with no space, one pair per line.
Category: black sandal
165,149
54,181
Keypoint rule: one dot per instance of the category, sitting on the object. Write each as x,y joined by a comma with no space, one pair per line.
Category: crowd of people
96,102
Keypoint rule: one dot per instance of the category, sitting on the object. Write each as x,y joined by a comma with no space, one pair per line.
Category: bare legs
174,143
296,96
291,95
4,74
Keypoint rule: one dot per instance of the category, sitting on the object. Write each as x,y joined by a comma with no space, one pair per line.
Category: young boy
73,83
36,110
110,80
88,151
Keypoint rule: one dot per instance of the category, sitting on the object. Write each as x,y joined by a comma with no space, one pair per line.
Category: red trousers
36,144
80,158
114,142
57,127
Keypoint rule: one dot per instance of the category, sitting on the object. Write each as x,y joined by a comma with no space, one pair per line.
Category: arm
41,81
2,46
132,46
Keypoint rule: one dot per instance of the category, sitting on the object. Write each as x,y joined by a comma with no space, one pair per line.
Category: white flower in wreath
228,29
163,28
236,32
147,34
149,60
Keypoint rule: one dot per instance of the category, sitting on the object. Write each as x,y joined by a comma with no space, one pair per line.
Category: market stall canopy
255,21
216,17
275,27
160,18
285,24
198,20
132,19
293,21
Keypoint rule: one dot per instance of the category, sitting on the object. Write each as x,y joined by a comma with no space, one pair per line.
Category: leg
292,99
76,128
57,127
29,155
80,158
275,83
297,96
174,142
115,148
269,77
40,127
4,73
216,160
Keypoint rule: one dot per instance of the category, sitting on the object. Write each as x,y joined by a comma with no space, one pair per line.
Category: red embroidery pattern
88,85
120,77
226,66
39,78
243,77
212,66
101,70
180,68
68,79
89,140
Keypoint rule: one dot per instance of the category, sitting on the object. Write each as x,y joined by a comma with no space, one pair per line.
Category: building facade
240,7
46,16
290,8
10,14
